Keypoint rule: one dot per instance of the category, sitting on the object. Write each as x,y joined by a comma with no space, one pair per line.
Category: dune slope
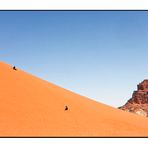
30,106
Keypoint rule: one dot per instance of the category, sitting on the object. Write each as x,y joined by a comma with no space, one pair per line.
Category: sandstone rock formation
138,104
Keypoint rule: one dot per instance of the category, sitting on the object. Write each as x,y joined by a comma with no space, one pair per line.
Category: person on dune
66,108
14,68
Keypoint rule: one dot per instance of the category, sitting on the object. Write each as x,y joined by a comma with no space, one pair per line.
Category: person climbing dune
66,108
14,68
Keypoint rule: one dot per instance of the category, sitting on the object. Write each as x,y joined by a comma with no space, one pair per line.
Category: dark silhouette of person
14,68
66,108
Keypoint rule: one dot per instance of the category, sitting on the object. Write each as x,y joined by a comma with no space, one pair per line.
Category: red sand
30,106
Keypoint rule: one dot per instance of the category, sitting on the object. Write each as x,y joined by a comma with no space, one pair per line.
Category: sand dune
30,106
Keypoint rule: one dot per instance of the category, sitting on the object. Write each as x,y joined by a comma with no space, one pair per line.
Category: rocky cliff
138,104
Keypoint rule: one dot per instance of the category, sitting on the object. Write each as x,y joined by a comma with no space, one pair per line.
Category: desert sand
30,106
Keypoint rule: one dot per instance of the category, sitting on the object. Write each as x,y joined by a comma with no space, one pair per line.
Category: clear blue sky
99,54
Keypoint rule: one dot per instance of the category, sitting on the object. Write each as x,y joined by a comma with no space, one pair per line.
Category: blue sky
99,54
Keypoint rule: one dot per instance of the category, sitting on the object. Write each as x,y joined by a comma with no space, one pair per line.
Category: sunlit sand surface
30,106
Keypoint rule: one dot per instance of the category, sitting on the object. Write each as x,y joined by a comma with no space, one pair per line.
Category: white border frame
73,4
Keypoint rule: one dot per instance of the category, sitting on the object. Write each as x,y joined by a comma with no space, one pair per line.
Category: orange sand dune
30,106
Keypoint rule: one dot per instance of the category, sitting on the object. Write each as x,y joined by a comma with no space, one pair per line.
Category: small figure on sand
14,68
66,108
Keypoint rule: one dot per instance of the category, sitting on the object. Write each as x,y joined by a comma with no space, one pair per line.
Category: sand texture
30,106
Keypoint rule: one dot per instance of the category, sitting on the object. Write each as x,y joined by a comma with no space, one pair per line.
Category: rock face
138,104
